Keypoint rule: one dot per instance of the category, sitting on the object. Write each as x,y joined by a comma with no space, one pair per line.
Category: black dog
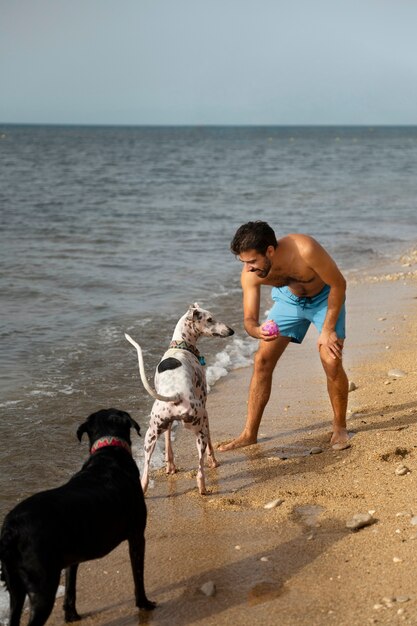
101,506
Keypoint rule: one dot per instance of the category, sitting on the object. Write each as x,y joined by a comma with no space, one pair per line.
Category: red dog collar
104,442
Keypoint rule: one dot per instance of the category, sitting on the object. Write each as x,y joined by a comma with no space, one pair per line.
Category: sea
107,230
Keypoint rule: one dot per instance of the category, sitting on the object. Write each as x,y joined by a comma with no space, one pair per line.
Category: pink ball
270,327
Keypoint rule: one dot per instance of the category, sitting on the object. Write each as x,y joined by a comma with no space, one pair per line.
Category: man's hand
331,342
265,336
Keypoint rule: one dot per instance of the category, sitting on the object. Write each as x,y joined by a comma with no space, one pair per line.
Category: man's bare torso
291,270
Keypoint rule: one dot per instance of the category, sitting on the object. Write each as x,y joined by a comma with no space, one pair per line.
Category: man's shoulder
298,238
302,242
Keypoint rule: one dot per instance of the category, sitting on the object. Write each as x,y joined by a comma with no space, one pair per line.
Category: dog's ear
197,316
134,424
193,313
81,430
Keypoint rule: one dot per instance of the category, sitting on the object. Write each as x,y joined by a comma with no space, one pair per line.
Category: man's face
256,262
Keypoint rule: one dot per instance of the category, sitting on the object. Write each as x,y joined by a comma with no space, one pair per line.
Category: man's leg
337,387
259,391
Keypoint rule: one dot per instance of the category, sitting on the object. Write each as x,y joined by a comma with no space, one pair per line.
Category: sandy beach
296,563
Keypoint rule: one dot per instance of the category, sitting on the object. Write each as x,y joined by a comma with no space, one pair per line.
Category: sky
198,62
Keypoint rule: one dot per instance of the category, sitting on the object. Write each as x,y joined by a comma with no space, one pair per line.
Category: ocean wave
239,353
40,393
9,403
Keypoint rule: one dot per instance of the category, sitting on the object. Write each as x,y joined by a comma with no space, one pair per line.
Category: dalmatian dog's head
205,324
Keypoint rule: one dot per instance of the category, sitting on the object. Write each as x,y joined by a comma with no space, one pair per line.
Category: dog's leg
211,459
169,453
42,599
151,438
70,611
201,447
137,560
17,595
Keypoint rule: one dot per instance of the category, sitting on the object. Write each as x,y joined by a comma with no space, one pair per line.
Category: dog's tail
152,392
9,560
7,551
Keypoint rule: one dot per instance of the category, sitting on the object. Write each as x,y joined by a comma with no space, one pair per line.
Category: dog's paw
146,605
170,468
72,616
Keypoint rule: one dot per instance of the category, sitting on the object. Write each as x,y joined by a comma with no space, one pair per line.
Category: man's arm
251,304
322,263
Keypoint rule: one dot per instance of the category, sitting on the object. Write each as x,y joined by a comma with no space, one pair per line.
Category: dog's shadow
242,583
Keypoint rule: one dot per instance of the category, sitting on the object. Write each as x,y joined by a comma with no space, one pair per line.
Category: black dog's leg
70,611
17,595
137,560
42,599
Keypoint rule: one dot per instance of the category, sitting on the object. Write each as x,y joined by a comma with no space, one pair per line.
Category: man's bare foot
340,439
240,442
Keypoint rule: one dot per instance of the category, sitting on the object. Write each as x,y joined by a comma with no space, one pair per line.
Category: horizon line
208,125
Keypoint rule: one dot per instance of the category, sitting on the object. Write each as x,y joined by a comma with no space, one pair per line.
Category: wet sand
297,563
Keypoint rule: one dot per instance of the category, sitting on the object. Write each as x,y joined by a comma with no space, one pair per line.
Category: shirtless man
307,286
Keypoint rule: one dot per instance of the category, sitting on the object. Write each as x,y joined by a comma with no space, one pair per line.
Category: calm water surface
107,230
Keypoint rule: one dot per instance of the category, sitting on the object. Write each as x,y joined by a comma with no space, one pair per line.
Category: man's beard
263,273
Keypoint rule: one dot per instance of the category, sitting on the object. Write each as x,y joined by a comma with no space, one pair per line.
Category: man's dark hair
253,236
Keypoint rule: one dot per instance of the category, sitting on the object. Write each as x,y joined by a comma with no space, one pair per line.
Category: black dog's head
108,422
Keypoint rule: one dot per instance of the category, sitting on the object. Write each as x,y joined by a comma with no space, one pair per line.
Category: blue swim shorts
294,315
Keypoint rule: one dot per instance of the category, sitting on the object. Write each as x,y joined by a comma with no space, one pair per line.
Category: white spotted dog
181,390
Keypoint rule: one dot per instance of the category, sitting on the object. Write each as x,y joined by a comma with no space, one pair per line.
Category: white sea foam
238,353
46,394
68,390
109,333
4,405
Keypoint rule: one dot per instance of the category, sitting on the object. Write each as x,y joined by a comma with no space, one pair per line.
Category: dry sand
297,563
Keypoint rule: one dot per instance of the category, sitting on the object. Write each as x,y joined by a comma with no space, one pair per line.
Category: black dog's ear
81,430
135,425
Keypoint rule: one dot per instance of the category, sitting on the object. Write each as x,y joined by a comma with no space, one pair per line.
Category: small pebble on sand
352,386
209,588
360,520
402,470
396,373
273,503
316,451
